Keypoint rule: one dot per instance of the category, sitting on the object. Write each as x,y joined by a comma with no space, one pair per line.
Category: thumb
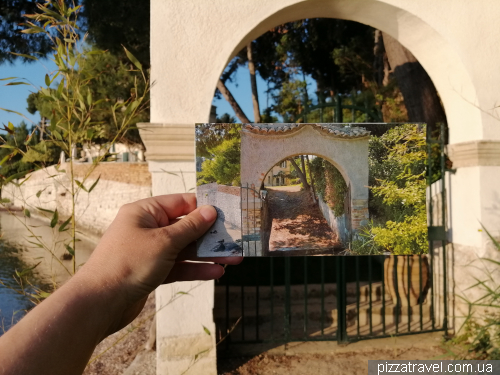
191,227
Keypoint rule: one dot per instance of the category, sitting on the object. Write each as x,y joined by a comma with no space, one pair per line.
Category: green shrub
224,166
45,153
330,184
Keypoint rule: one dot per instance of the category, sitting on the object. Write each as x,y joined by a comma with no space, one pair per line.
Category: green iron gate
337,298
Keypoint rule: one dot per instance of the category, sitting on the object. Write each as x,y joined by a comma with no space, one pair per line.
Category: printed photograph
313,189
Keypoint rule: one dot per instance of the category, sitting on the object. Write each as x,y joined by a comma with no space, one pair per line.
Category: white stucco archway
456,41
264,145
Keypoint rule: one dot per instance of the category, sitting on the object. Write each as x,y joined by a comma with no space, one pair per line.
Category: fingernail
208,213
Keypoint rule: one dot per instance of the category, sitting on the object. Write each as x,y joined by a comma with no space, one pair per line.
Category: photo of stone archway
313,189
280,217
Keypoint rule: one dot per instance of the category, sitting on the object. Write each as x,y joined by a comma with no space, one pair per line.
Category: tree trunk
253,82
232,101
302,176
312,179
420,96
381,63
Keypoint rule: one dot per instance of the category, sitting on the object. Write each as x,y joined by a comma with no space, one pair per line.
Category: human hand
148,245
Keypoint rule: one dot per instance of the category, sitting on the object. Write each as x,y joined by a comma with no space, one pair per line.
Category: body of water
17,253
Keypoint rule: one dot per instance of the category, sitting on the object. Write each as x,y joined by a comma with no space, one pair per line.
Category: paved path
297,222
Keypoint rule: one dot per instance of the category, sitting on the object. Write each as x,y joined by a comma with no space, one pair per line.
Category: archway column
182,345
192,42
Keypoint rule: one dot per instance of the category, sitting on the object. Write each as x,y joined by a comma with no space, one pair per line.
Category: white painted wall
94,211
456,41
336,223
180,321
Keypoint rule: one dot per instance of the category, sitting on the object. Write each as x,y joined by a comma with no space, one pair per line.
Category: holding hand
146,245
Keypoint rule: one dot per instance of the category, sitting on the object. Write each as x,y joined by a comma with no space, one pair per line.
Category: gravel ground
297,222
352,363
119,355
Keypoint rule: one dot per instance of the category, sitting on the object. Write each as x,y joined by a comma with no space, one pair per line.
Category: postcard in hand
312,189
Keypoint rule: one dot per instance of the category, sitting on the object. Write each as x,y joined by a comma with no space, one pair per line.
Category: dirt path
297,222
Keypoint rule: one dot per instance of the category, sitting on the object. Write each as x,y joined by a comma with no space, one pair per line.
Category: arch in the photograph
265,145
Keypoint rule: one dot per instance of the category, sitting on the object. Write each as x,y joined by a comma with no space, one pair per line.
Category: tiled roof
331,129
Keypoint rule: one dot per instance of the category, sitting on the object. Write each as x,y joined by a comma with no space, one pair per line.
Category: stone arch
265,145
443,64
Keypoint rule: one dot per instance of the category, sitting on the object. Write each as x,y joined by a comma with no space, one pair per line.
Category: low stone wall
119,184
226,200
336,223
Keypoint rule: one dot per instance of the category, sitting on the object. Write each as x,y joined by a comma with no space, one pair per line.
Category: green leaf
60,87
16,176
17,84
207,331
70,249
36,244
89,98
43,295
63,226
133,59
90,133
10,111
57,135
47,80
2,162
9,78
80,185
27,270
45,210
33,30
27,212
55,219
39,192
26,179
95,184
23,55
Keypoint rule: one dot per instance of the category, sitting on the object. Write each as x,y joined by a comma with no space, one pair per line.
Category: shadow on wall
224,237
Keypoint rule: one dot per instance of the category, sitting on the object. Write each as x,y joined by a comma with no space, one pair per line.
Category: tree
224,166
208,137
11,37
12,164
112,81
115,23
226,118
420,96
302,173
341,56
290,100
398,184
253,83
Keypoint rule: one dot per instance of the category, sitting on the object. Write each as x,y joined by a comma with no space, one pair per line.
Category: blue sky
240,88
14,97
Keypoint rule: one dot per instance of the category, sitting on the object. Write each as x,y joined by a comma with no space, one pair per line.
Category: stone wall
119,184
336,223
226,199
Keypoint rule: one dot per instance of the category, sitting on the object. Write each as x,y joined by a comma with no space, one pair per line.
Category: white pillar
473,192
183,346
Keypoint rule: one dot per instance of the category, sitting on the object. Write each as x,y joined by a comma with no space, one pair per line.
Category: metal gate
341,298
251,219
